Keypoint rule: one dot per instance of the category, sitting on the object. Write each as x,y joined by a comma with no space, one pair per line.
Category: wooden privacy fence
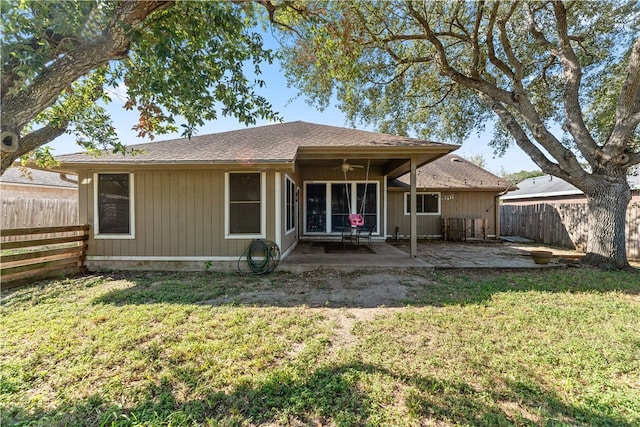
562,224
23,212
27,259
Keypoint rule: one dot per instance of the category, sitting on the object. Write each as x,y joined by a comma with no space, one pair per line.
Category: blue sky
292,108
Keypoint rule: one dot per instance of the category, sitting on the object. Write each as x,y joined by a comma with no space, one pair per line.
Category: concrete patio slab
484,255
432,255
308,256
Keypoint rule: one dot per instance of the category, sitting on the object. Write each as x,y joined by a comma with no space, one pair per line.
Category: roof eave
275,163
543,195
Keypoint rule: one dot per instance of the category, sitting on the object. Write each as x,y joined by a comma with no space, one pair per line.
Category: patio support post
413,216
496,216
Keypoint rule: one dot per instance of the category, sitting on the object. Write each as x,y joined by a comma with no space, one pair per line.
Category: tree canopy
183,63
562,79
442,69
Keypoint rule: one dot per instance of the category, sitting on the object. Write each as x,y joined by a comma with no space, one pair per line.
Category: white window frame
96,213
290,185
355,209
263,207
423,193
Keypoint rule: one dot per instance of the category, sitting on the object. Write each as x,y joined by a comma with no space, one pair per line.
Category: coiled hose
263,256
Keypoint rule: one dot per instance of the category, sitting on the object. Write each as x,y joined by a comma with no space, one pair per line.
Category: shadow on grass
473,287
327,396
337,290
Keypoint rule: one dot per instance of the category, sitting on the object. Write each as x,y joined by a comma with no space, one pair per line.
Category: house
551,189
37,198
181,203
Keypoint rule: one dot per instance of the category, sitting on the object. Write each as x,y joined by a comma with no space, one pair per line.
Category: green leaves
35,33
414,67
196,68
185,62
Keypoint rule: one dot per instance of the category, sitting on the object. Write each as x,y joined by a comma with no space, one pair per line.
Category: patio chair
365,233
349,234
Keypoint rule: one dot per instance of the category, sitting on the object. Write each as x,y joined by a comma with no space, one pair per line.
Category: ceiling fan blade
347,167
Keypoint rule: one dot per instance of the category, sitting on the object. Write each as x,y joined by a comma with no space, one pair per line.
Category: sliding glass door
328,205
340,202
368,192
316,208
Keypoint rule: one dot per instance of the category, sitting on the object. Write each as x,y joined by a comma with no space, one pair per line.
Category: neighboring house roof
15,175
551,186
278,143
453,172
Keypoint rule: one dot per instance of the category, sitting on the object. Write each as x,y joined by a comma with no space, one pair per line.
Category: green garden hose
263,256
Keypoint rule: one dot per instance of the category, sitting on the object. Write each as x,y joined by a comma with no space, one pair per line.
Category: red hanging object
356,220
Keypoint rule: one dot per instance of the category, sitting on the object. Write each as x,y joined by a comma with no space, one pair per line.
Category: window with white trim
245,193
290,205
426,203
113,205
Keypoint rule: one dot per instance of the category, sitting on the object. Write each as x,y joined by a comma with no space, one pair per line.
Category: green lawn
483,349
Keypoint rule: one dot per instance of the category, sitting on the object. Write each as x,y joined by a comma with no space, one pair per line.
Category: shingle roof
14,175
271,143
552,186
453,172
542,186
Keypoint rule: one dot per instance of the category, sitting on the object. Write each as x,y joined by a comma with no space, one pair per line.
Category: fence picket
563,224
23,212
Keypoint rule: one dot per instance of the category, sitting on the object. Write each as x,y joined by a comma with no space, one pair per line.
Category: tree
562,78
478,160
516,177
182,60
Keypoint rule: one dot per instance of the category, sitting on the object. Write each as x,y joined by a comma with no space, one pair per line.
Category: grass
545,348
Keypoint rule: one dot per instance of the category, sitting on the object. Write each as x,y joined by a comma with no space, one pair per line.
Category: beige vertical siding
178,213
459,204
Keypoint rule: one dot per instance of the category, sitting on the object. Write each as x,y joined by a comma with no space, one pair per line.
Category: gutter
65,178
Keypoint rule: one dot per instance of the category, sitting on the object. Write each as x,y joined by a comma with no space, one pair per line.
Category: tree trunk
606,244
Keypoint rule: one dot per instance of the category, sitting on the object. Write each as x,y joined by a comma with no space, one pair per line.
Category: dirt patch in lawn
343,299
331,289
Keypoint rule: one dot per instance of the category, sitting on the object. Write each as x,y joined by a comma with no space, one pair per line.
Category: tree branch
113,43
271,11
32,141
517,100
535,31
475,58
573,73
446,69
523,141
506,45
628,108
491,48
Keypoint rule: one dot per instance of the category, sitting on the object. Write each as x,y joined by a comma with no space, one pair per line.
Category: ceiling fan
346,167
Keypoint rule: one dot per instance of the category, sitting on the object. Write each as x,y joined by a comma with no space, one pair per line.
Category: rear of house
187,203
